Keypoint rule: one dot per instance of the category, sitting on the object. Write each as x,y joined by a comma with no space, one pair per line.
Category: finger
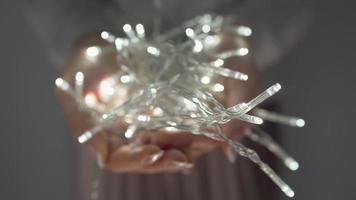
173,160
133,158
172,139
191,145
200,146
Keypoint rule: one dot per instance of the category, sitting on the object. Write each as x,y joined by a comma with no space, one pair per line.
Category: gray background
319,79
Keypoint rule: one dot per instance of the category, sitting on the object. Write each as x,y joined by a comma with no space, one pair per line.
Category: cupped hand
154,150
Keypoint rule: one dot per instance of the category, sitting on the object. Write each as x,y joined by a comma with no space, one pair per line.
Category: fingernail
153,158
181,165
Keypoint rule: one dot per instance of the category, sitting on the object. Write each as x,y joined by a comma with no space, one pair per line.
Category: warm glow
90,100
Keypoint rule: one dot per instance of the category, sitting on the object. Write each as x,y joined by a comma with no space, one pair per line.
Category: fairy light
90,100
85,137
107,88
242,51
300,122
93,51
218,63
279,118
79,84
189,32
127,28
211,40
244,31
79,78
130,131
157,111
205,79
198,47
104,35
153,50
125,78
140,30
63,85
130,33
143,118
206,28
218,87
172,86
107,36
259,136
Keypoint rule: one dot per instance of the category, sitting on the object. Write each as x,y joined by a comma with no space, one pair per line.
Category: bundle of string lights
169,82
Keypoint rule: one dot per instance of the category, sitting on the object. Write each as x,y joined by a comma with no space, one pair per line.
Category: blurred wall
35,145
319,79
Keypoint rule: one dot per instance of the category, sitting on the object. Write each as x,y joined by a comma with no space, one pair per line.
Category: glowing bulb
106,88
211,40
300,122
130,33
244,31
125,78
198,47
242,51
119,43
85,137
93,51
292,164
189,32
127,28
140,30
205,79
206,28
59,82
153,90
79,76
104,35
107,36
90,100
218,62
63,85
157,111
273,89
258,120
218,87
153,50
288,191
130,131
143,118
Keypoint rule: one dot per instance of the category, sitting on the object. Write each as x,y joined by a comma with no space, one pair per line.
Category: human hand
152,150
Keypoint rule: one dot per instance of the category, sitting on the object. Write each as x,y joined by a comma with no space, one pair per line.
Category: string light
172,86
